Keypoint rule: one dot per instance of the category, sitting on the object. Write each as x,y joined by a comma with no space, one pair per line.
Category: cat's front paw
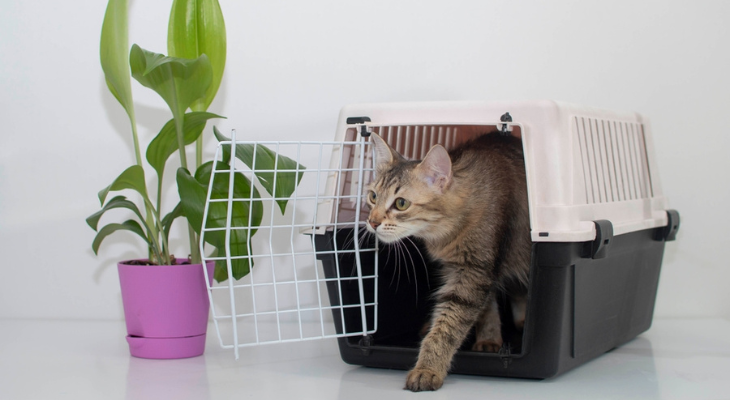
487,346
420,379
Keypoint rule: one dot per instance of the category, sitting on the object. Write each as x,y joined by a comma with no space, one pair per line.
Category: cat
469,207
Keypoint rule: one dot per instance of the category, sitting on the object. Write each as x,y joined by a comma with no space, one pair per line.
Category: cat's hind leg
489,327
519,310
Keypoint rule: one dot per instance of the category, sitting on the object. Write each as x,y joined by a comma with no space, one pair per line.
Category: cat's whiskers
402,254
403,250
350,238
423,262
387,263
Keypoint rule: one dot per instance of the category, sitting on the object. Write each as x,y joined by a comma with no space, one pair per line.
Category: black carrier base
579,307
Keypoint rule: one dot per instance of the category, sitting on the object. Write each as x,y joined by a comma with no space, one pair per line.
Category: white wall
292,65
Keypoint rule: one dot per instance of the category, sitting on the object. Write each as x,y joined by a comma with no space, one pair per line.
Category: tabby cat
469,207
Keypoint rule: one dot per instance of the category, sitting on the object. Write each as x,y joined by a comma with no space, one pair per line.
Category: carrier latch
365,344
604,236
360,121
505,354
669,232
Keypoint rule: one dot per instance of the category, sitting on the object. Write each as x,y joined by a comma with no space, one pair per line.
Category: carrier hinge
360,121
669,232
365,344
505,354
505,118
604,235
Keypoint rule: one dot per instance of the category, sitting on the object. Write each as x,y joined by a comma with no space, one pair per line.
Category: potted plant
165,298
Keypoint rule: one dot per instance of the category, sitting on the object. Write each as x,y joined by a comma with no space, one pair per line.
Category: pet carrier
598,226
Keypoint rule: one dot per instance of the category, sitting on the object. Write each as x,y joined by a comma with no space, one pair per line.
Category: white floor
675,359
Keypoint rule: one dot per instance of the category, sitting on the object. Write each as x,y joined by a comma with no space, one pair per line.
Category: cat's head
406,197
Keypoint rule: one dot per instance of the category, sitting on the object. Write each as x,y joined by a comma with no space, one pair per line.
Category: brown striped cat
469,207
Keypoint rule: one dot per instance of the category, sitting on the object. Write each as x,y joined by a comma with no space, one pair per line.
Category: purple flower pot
165,308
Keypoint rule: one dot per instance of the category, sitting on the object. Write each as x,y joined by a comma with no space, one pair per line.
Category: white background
292,65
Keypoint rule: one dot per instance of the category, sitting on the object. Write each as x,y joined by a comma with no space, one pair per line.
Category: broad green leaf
170,218
129,225
192,195
244,213
178,81
280,184
165,143
116,202
113,52
196,27
132,178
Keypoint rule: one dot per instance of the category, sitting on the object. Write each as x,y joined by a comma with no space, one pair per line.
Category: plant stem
153,250
199,152
194,251
160,250
195,256
181,140
165,248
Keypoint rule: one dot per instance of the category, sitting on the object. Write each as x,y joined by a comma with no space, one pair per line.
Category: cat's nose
374,224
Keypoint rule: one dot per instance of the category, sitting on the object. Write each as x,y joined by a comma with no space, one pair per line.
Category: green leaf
221,271
280,184
170,218
113,52
132,178
178,81
165,143
192,198
196,27
193,191
129,225
116,202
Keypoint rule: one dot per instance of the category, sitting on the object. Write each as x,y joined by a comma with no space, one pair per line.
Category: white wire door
291,227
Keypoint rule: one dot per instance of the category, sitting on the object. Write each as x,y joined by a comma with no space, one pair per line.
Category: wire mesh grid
305,250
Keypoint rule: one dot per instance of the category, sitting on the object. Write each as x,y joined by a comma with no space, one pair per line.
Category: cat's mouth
387,238
383,236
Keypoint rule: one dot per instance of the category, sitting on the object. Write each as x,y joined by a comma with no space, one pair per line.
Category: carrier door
288,230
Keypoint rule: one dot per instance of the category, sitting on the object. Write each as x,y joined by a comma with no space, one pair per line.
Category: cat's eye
372,197
402,204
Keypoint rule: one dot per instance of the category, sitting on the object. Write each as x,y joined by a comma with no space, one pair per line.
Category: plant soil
173,261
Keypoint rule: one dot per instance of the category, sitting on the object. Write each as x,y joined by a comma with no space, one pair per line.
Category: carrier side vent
614,160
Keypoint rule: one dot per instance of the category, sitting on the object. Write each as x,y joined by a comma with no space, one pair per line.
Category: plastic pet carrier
598,221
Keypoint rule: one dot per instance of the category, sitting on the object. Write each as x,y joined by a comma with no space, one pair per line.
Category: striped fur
470,209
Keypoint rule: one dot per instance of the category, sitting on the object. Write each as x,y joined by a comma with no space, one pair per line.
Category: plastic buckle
669,232
360,121
604,235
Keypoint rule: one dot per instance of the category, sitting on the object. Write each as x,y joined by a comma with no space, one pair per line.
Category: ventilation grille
412,141
613,154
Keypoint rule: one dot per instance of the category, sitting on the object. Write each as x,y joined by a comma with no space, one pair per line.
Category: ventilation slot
412,141
613,154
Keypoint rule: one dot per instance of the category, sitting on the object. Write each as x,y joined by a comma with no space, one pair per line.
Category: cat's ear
384,154
435,169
